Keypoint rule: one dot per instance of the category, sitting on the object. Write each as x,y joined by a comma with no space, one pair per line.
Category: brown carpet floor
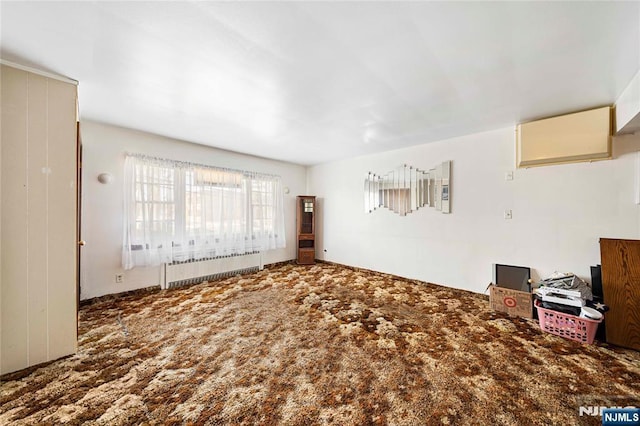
323,344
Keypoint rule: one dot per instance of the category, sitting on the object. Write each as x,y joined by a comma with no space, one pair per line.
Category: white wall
104,148
628,107
559,212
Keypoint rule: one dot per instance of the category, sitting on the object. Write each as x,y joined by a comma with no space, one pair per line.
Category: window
176,211
154,199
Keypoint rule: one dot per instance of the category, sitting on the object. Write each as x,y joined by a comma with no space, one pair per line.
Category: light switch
508,214
508,175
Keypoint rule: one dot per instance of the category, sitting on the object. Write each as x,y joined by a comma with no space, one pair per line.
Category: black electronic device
513,277
596,281
596,289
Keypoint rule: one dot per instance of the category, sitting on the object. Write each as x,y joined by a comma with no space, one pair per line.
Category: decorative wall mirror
407,188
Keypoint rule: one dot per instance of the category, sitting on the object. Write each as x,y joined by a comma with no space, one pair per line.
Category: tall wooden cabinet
38,287
621,289
306,229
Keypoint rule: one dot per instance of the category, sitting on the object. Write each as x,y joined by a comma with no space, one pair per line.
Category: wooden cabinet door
38,311
621,287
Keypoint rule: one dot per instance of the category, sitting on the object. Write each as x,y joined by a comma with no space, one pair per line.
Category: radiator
193,272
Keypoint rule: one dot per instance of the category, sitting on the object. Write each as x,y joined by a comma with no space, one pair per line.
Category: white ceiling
310,82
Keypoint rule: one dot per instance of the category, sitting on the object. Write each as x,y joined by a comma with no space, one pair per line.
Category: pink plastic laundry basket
569,326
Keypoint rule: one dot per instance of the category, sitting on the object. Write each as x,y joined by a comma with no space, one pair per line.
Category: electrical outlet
508,214
119,278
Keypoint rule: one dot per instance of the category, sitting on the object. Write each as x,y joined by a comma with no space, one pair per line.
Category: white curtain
177,211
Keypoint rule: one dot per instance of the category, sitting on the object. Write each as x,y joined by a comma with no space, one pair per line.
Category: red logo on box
509,302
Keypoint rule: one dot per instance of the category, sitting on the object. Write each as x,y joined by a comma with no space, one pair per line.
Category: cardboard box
512,302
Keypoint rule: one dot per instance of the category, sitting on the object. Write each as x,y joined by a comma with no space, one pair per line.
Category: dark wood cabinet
306,229
621,290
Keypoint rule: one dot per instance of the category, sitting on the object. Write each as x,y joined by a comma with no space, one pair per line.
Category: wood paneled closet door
621,287
38,312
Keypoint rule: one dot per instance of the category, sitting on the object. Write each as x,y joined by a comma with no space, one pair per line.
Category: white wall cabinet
38,285
581,136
